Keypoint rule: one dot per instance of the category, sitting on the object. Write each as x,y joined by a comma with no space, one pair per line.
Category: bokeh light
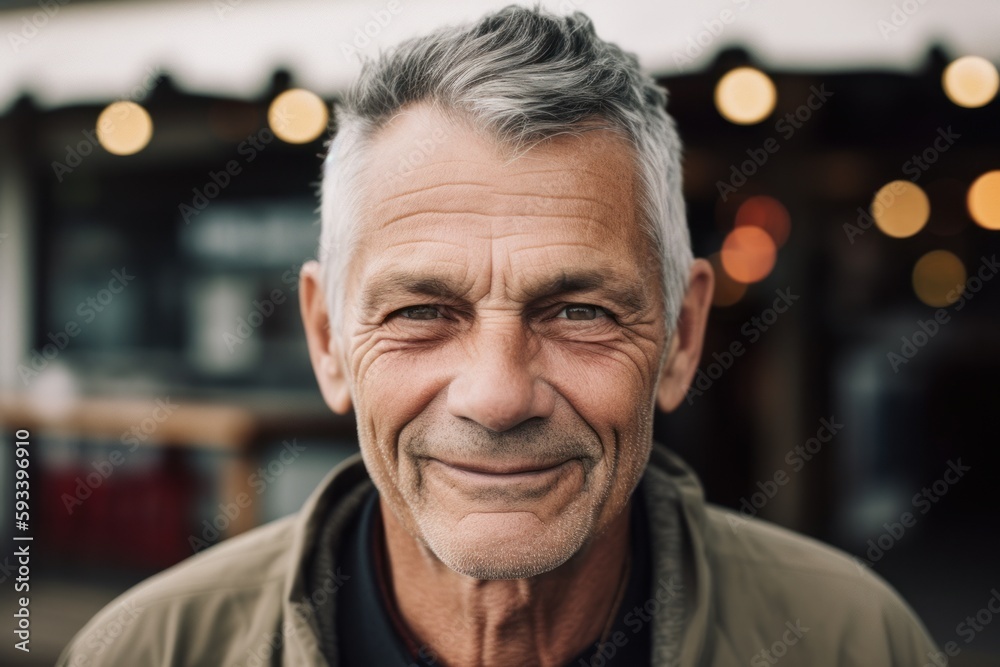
727,291
124,128
745,96
936,275
901,209
748,254
767,213
984,200
971,81
298,116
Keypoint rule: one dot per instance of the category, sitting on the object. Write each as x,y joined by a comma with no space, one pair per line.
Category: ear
324,350
686,341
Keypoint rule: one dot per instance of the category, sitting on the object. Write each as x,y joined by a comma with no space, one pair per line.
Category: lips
525,475
502,468
502,486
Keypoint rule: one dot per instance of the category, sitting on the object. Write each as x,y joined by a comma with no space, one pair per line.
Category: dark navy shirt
369,632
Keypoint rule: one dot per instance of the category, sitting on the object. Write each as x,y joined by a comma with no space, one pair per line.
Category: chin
506,545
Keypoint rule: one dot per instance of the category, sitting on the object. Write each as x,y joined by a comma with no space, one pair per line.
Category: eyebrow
630,297
406,283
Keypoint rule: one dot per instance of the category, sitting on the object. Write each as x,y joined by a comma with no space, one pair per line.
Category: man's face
502,337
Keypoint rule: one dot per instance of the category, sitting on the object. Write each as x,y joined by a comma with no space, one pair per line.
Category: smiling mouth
498,484
502,470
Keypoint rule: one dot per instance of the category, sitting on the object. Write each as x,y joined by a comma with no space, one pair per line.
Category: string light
745,96
298,116
767,213
901,209
124,128
984,200
748,254
727,291
937,275
971,81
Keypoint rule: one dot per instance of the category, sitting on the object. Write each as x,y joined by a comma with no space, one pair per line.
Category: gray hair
522,75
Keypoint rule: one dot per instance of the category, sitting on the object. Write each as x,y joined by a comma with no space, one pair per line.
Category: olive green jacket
756,594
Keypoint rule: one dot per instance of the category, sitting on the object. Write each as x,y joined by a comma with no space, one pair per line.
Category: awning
61,53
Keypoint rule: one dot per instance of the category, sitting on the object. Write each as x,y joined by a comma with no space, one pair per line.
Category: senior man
505,293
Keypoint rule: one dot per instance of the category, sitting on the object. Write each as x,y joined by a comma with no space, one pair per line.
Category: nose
498,385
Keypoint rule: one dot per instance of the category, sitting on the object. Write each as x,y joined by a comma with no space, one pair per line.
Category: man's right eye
419,313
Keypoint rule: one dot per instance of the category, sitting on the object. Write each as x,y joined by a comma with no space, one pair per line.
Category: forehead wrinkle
514,185
573,171
549,246
490,217
408,245
584,201
432,186
523,189
436,167
569,178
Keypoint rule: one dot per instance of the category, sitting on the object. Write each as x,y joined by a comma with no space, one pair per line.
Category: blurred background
158,167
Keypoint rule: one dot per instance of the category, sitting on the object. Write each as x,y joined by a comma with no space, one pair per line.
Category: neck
542,621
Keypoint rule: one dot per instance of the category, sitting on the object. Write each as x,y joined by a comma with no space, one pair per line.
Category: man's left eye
582,311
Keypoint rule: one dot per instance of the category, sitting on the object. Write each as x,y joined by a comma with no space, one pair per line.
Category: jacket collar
670,480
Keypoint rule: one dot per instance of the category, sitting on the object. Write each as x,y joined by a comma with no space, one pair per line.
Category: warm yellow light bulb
124,128
745,96
971,81
298,116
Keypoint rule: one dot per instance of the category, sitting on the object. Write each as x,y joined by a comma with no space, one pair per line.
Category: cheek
614,395
608,387
394,383
392,388
634,447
